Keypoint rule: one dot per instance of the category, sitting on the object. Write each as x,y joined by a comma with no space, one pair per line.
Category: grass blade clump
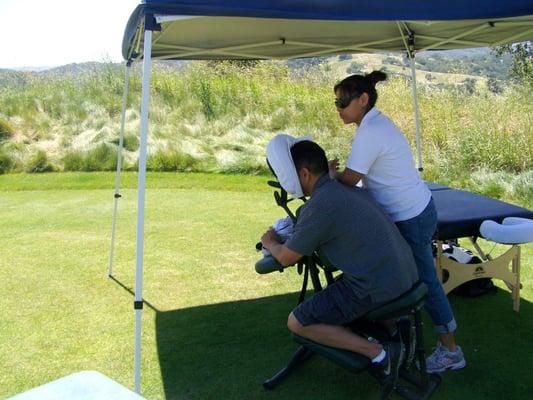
39,163
6,162
219,116
102,158
172,160
73,161
6,130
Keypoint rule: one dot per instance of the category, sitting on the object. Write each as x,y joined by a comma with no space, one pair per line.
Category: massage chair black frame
422,384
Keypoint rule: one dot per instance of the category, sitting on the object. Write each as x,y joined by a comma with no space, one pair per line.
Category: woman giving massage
380,157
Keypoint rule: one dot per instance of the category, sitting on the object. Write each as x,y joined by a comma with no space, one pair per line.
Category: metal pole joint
411,45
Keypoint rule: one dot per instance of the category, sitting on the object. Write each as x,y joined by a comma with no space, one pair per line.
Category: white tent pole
117,195
138,304
411,53
417,114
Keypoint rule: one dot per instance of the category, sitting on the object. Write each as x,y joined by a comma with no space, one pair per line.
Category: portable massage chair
413,383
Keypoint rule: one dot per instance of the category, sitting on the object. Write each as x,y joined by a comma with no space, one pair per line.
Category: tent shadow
223,350
226,350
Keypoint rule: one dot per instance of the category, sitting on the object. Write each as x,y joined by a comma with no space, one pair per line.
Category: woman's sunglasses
343,102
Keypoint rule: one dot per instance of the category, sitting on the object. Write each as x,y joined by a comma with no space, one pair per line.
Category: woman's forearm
349,177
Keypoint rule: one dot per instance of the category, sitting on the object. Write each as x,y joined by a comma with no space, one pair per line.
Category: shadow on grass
226,350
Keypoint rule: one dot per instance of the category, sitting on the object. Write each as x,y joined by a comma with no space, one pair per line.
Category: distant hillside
9,78
474,69
476,62
83,68
479,63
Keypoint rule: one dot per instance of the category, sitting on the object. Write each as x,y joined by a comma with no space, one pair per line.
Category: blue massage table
460,213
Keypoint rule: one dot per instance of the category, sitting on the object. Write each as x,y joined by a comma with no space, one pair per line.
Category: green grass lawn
212,327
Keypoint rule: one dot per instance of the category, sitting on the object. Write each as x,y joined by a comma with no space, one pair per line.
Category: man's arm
280,252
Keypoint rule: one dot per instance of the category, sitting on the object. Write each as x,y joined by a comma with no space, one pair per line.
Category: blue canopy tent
277,29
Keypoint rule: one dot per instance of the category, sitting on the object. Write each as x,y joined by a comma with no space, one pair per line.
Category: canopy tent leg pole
138,304
411,54
417,114
117,194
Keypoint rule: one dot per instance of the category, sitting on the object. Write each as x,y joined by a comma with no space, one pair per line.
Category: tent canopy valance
282,29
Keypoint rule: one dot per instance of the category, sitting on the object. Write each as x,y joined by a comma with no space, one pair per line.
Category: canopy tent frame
438,42
151,21
329,49
138,302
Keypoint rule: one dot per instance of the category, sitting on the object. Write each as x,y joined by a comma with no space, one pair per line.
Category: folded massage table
460,213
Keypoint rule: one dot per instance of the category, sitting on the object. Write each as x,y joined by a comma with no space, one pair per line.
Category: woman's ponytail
355,85
376,76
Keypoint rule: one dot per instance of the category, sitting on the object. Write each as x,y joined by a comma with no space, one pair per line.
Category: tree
392,61
469,85
344,57
355,68
522,63
494,86
305,62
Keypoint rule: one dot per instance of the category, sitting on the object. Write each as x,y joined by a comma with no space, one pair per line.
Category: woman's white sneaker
442,360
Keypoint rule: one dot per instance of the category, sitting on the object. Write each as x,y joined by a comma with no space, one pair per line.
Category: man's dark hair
307,154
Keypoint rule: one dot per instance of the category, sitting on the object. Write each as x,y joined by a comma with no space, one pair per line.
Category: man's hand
269,238
280,252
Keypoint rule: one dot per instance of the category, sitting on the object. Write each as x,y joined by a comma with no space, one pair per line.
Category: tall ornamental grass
218,117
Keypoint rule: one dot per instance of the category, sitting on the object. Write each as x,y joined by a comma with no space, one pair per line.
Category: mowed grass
212,327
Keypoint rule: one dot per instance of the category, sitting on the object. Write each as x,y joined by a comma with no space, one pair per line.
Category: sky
48,33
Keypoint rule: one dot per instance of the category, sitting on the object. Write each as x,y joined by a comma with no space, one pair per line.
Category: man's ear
304,174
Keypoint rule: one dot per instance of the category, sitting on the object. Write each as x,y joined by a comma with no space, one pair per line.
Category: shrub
6,130
6,162
205,94
130,143
355,68
73,161
101,158
39,163
172,161
246,164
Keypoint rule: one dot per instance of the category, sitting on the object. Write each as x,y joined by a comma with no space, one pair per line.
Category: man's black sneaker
389,367
405,333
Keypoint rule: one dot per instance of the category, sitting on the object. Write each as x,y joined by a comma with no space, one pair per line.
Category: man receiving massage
360,240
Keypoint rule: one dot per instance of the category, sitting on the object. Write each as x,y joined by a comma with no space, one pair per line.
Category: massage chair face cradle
422,384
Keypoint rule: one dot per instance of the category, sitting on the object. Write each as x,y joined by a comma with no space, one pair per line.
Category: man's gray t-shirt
358,238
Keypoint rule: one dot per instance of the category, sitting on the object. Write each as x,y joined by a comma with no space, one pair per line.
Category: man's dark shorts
337,304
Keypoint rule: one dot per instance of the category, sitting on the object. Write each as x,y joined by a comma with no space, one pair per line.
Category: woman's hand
333,166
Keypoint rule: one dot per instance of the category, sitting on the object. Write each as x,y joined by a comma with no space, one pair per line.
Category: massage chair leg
424,384
420,351
299,356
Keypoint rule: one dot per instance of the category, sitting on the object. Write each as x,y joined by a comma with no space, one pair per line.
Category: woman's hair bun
376,76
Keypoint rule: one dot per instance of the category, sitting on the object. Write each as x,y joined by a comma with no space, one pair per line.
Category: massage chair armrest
268,264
